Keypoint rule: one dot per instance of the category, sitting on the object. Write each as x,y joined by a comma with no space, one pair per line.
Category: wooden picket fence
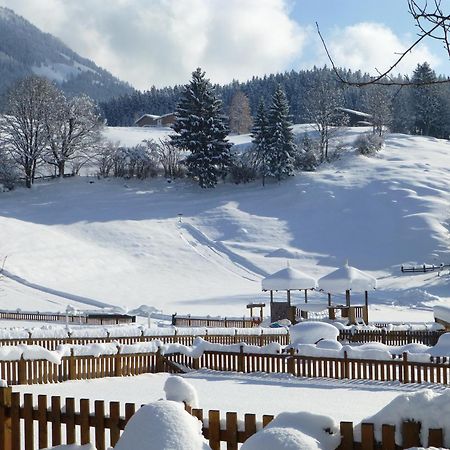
29,423
402,337
235,322
89,318
184,339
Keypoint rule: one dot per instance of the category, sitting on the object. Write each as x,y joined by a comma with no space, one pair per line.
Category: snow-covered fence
87,318
252,336
391,337
218,322
28,423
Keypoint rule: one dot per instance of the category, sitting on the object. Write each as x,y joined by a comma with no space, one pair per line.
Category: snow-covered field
91,242
245,393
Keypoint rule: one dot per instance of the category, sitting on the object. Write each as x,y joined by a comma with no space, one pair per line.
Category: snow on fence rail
253,336
87,318
227,322
28,423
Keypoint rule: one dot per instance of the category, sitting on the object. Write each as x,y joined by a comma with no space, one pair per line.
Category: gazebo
287,279
348,279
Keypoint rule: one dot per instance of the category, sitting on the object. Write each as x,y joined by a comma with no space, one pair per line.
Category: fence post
405,367
159,361
241,359
291,362
383,335
346,371
72,366
5,418
22,371
118,363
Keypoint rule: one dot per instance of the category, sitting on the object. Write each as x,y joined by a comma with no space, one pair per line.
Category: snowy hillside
96,242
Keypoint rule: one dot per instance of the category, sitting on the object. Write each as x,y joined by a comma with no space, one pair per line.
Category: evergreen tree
201,130
426,101
260,135
281,138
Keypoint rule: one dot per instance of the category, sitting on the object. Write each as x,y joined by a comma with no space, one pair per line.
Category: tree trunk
61,165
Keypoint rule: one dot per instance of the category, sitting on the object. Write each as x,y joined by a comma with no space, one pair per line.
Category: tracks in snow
218,253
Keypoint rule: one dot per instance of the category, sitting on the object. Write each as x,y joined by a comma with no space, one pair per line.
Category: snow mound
73,447
292,431
427,407
162,425
312,332
285,253
442,348
280,438
178,389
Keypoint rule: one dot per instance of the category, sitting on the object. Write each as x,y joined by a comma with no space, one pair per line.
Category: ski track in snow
212,250
62,294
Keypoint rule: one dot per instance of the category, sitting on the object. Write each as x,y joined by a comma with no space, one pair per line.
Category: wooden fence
188,321
27,424
89,318
423,268
402,337
429,338
235,338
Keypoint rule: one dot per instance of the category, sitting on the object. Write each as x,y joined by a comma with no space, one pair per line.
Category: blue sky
160,42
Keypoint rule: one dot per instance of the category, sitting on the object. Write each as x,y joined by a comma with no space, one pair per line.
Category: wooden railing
88,318
55,421
236,338
404,337
188,321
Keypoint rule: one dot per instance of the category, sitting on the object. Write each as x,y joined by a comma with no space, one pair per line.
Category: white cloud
162,41
372,46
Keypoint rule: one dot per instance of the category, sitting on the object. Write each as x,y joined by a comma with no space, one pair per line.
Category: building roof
288,279
347,278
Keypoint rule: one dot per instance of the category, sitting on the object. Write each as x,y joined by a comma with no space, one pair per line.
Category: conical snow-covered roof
347,278
288,279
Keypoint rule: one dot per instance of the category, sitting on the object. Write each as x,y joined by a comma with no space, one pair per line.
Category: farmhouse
151,120
357,118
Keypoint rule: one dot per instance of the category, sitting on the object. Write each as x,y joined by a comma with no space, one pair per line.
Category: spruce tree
260,135
281,138
201,130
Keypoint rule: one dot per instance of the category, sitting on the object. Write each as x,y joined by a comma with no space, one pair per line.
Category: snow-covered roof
288,279
347,278
354,112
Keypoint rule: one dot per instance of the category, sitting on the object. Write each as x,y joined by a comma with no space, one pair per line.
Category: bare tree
240,115
23,130
432,22
322,102
378,103
72,128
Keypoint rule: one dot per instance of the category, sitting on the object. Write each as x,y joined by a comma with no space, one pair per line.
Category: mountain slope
25,50
122,244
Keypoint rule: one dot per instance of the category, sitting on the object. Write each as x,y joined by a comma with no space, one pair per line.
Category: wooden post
241,359
347,297
366,309
289,297
291,362
306,295
271,296
22,371
159,361
351,315
329,299
346,371
405,368
118,363
5,418
72,366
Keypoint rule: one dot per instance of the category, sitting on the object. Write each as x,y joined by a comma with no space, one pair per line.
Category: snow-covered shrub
178,389
312,332
307,155
242,170
162,425
296,431
368,143
9,173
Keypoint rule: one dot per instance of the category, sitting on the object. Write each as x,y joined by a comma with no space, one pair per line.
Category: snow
312,332
287,279
427,407
297,431
111,243
442,312
178,389
73,447
347,278
163,425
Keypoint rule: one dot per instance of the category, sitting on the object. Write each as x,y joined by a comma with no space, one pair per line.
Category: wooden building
151,120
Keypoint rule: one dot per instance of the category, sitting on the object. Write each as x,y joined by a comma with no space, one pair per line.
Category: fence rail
90,318
188,321
429,338
30,422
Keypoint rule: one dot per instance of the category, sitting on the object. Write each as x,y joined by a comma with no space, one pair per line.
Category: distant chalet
357,118
150,120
